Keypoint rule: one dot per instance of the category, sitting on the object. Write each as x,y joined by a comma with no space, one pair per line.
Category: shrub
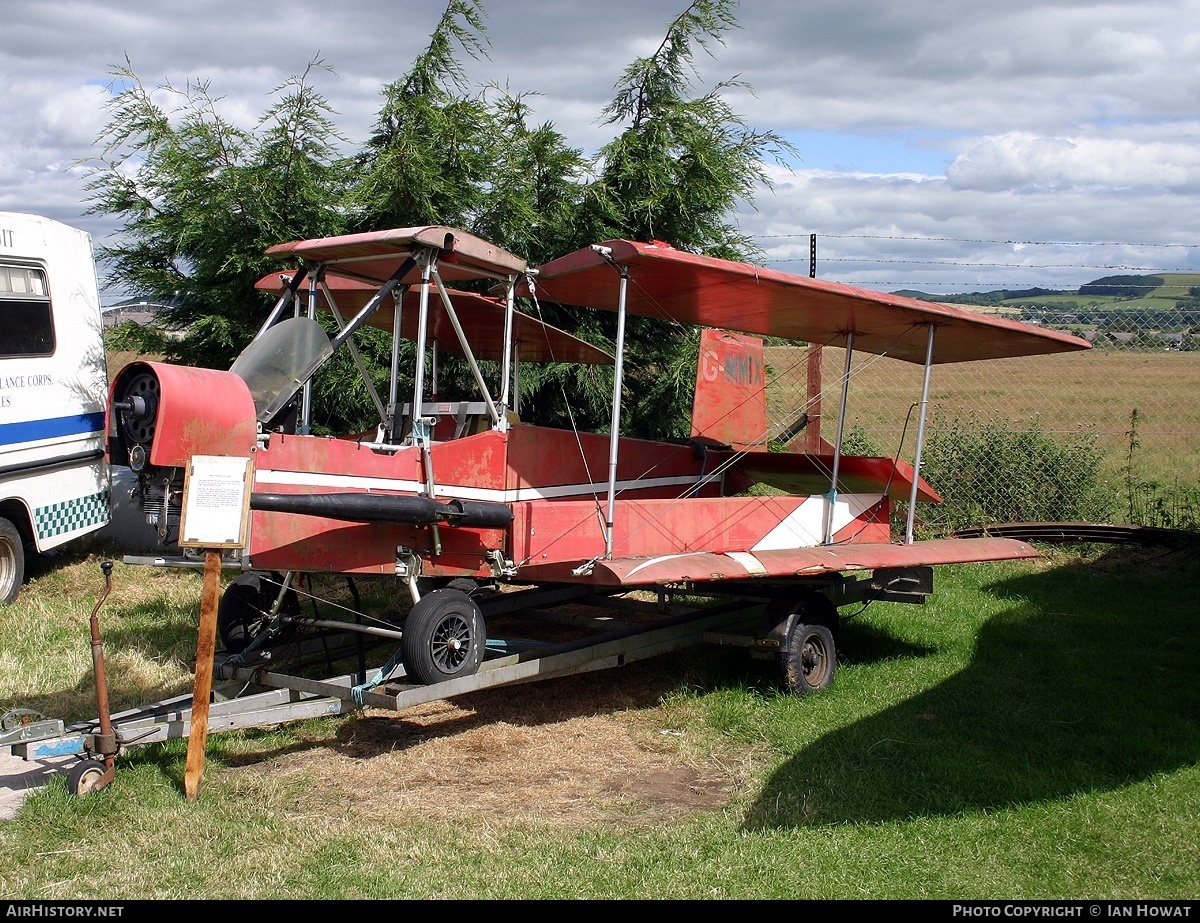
995,471
1151,503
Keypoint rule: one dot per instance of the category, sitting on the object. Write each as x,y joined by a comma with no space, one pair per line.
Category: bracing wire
735,457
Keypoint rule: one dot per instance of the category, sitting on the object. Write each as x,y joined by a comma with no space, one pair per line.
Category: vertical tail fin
730,403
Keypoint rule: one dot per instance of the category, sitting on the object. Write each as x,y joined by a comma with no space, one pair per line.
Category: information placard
216,502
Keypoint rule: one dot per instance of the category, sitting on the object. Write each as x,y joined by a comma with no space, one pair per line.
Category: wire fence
1111,434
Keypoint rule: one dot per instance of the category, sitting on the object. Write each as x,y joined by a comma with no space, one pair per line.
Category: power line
860,259
1025,266
970,240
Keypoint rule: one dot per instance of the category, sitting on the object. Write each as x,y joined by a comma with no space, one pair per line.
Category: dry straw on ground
573,752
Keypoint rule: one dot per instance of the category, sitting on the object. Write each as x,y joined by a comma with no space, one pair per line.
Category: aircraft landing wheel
444,637
244,609
12,562
87,776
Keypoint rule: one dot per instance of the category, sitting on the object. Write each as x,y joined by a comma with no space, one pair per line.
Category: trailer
518,551
537,633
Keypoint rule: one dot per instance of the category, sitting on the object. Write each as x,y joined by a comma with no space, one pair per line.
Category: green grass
1032,733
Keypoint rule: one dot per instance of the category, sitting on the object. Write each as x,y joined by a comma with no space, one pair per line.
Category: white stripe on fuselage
805,525
266,477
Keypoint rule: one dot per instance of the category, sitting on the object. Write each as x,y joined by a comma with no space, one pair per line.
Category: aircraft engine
161,415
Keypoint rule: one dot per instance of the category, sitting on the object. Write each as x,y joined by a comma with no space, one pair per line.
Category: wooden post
812,432
216,507
206,647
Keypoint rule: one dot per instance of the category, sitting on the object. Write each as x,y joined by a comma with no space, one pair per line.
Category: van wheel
12,562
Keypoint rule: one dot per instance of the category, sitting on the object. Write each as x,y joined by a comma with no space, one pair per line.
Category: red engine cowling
160,415
174,412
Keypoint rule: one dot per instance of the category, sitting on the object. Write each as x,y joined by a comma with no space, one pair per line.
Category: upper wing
374,255
482,317
710,292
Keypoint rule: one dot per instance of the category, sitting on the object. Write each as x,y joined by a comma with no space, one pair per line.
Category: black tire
444,638
806,630
245,606
12,562
87,776
808,659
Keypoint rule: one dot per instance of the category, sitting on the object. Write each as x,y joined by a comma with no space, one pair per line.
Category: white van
54,479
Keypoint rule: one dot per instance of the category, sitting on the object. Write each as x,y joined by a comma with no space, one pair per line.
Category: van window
26,324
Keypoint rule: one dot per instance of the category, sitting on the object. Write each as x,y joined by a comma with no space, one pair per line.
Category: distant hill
1123,291
1123,286
996,297
1143,312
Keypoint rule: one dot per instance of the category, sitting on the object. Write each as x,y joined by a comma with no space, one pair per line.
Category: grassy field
1030,733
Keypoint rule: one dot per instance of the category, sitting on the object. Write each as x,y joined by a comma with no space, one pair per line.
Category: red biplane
479,516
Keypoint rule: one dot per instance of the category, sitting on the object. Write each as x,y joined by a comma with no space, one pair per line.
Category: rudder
730,402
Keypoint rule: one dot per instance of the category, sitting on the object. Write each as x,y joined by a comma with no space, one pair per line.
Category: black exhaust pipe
389,508
478,513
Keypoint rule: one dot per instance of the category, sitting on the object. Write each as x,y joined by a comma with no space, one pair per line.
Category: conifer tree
201,200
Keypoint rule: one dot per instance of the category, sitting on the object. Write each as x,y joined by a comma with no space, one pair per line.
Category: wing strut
618,371
506,363
389,433
289,292
425,259
916,480
304,425
837,447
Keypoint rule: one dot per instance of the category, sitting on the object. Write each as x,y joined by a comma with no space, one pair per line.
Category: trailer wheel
86,777
444,637
809,657
245,606
805,630
12,562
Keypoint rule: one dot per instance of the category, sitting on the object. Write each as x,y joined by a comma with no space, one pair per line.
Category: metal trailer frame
249,694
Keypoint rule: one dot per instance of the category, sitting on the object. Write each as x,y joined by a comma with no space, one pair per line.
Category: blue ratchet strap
357,692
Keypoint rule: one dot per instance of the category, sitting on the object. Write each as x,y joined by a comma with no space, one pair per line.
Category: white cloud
1043,120
1022,161
907,231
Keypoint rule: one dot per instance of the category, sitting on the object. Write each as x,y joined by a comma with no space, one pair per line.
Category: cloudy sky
948,147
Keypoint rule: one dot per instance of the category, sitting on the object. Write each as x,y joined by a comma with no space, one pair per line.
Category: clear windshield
278,362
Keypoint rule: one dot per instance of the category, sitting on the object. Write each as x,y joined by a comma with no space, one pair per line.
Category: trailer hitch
22,724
